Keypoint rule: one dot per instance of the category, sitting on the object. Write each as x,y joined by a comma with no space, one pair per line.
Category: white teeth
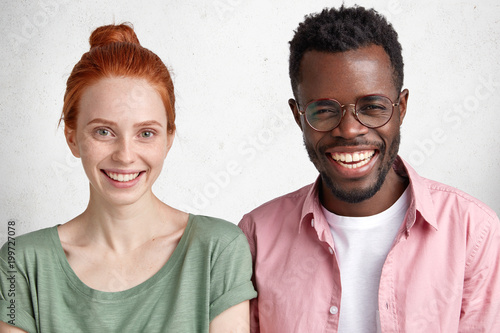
122,177
362,158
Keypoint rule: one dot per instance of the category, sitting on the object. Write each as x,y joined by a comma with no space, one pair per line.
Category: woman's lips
122,177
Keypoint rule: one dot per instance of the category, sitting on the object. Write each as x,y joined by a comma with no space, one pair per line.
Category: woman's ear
72,141
170,141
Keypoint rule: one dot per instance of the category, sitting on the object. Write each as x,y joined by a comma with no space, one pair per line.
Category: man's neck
391,190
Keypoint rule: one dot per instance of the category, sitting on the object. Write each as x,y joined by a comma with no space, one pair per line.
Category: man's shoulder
446,200
292,199
281,207
447,195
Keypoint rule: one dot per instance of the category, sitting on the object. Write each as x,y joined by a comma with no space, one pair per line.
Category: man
370,246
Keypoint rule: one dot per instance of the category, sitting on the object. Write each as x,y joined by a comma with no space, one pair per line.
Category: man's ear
71,141
295,110
403,103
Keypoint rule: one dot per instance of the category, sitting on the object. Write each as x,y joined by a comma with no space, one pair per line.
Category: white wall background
237,145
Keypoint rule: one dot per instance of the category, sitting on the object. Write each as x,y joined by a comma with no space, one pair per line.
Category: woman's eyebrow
148,123
101,121
112,123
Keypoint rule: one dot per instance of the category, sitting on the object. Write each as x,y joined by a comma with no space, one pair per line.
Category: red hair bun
108,34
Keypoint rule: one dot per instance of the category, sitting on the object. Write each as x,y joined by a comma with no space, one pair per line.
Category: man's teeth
362,158
122,177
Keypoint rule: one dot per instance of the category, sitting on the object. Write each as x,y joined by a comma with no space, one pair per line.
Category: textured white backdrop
237,145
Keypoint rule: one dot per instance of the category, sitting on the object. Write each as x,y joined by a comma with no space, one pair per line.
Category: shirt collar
421,199
312,214
421,202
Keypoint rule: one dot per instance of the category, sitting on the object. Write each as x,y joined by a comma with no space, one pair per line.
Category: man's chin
352,195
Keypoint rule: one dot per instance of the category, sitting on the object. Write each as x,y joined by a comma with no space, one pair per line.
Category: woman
129,262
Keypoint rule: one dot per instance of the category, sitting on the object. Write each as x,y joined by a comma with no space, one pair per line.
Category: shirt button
312,223
334,310
330,249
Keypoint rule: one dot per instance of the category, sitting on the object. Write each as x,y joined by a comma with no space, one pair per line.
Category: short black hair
344,29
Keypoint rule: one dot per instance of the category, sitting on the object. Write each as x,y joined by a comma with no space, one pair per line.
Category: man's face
353,160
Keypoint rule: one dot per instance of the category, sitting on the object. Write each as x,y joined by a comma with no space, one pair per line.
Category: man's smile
353,160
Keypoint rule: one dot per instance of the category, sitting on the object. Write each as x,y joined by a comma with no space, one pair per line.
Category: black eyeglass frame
343,107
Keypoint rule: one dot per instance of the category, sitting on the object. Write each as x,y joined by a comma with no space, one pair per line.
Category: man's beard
357,195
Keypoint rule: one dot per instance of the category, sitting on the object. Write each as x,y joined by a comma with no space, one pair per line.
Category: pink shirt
442,273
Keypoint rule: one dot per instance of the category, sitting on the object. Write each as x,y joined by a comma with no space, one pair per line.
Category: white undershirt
361,246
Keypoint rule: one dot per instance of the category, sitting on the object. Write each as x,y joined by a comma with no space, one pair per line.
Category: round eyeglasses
326,114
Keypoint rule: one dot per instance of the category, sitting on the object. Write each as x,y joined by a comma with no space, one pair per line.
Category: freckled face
121,138
353,160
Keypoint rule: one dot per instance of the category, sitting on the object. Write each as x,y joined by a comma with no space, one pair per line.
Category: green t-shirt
209,271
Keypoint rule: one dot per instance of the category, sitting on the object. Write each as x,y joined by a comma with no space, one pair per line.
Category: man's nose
349,127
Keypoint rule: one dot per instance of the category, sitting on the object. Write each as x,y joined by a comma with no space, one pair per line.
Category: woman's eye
147,134
103,132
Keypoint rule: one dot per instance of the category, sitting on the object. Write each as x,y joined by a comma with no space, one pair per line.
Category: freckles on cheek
85,146
90,148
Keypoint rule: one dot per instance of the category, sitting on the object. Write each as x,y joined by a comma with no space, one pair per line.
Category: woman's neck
122,228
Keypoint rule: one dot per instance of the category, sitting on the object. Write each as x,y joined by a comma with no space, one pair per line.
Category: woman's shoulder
213,224
212,228
26,250
33,239
37,241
